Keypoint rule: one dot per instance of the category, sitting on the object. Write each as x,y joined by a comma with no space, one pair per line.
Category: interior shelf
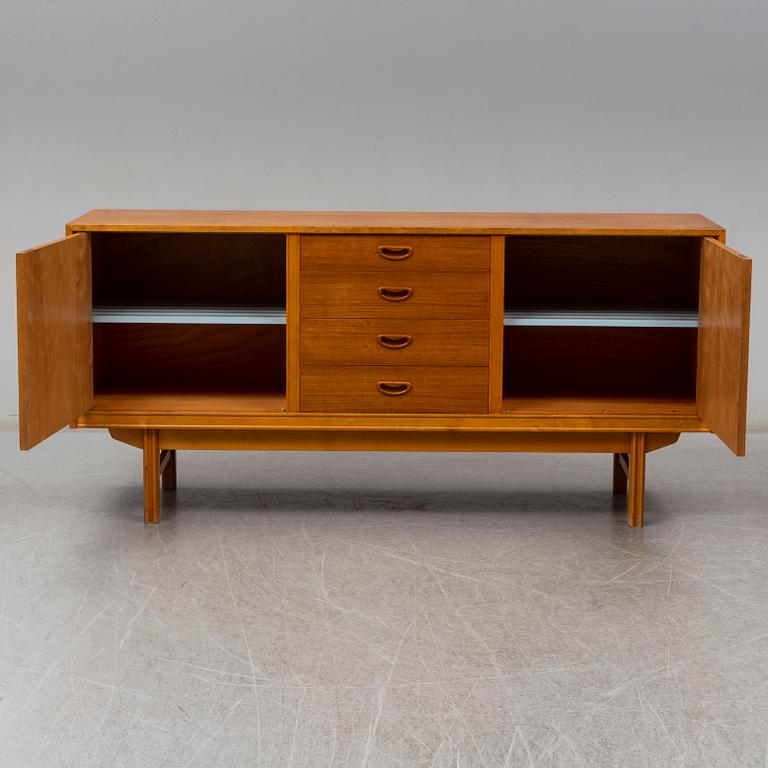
274,314
606,318
598,406
191,314
182,402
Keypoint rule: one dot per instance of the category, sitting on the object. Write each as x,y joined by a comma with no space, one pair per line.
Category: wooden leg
635,501
168,470
151,476
619,476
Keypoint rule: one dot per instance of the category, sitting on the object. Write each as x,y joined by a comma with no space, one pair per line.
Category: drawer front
393,389
386,295
396,253
394,342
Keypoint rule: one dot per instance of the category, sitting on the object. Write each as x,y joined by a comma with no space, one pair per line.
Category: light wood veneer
394,389
395,222
420,253
394,341
448,295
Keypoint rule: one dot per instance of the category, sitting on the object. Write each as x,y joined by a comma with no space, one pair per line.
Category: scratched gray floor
382,610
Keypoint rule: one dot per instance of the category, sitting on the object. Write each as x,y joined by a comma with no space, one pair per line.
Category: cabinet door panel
54,305
721,387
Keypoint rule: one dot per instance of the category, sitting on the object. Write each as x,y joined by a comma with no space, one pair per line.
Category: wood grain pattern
292,322
636,481
380,222
354,389
724,342
361,440
361,252
355,295
180,404
395,441
127,411
54,326
600,406
356,342
496,325
151,447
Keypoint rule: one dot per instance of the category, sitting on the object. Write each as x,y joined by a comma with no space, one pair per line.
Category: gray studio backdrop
660,105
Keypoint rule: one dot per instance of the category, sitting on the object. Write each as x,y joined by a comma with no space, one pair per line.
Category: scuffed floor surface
382,610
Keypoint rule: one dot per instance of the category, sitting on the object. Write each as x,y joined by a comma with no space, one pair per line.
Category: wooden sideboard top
138,220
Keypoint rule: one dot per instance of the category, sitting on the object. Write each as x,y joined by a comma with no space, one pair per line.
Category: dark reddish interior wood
617,362
598,271
157,267
148,357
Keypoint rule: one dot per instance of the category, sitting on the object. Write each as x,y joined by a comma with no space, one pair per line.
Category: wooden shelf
244,314
605,318
599,406
191,314
189,402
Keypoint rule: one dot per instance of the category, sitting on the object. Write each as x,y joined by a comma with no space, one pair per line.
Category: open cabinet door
721,386
54,304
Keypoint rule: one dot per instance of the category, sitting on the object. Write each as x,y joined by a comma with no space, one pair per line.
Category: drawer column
394,323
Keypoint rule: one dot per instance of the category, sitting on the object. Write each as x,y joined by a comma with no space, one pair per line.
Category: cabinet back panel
618,362
189,358
589,271
157,267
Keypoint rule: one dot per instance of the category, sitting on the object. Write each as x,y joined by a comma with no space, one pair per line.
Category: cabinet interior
600,323
186,321
196,322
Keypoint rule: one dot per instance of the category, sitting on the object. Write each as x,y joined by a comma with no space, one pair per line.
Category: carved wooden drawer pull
395,294
394,342
394,387
395,252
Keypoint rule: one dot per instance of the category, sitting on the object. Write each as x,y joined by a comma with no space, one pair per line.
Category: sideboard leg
151,476
619,476
636,498
168,470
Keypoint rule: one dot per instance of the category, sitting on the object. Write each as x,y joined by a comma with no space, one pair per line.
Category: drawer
386,295
396,253
393,389
394,342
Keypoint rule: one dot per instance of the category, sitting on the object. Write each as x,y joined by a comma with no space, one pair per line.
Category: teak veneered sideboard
183,330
